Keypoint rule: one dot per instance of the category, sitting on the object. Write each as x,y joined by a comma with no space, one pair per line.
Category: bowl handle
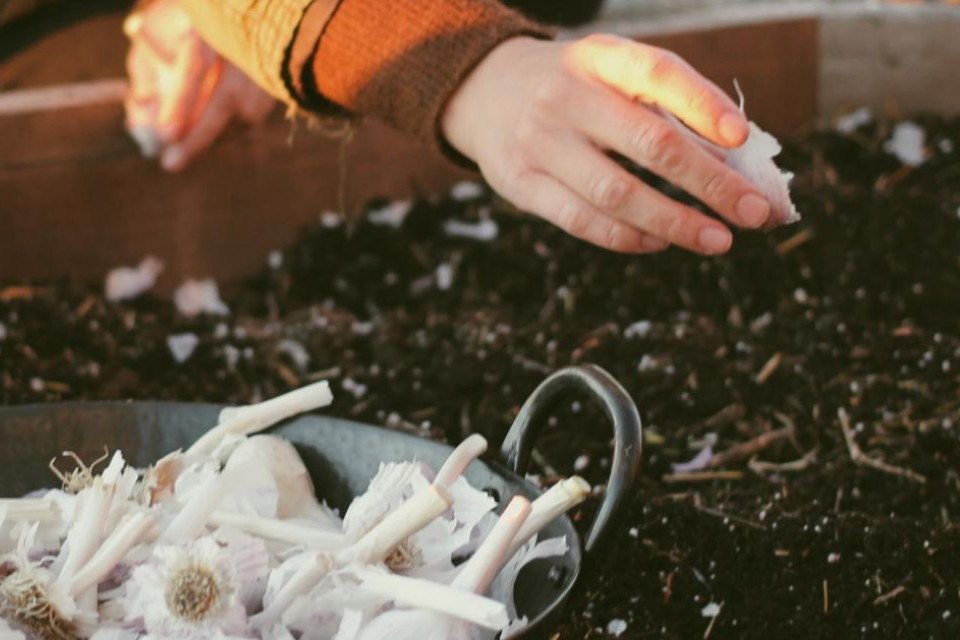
628,437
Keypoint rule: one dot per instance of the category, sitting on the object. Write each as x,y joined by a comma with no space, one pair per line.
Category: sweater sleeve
401,61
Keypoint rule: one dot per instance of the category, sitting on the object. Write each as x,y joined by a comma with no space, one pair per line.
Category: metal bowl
343,456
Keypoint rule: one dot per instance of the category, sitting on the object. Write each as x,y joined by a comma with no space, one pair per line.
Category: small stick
761,467
794,241
768,369
703,476
863,460
750,448
889,596
826,597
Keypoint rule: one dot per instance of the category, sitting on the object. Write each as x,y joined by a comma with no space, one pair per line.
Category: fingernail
714,240
172,158
733,129
752,210
653,243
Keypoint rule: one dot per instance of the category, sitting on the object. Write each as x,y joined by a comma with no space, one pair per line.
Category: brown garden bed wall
76,198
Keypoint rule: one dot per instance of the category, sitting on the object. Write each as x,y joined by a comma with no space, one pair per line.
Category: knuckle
661,143
656,65
528,132
550,91
609,191
671,225
614,237
715,186
574,219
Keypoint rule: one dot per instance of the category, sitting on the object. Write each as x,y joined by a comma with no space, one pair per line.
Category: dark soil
853,309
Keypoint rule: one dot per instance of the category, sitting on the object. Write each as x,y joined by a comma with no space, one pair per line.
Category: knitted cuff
402,61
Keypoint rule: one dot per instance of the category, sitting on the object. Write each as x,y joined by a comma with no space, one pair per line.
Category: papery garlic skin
190,591
9,633
296,495
754,161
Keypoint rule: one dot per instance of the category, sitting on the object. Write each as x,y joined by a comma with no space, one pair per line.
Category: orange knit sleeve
400,61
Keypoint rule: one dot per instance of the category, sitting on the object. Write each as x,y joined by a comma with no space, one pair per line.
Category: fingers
608,188
184,85
541,194
651,141
208,126
654,75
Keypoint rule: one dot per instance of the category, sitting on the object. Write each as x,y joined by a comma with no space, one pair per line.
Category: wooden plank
776,64
65,212
909,55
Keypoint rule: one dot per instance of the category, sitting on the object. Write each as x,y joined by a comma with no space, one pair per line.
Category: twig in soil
750,448
760,467
889,596
826,597
20,293
768,369
703,476
794,241
532,365
862,459
729,414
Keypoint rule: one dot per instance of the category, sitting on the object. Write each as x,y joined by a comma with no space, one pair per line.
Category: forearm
401,65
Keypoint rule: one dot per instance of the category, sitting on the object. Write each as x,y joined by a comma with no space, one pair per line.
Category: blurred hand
182,93
539,118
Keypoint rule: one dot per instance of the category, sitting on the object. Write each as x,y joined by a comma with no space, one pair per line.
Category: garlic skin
754,161
296,494
9,633
190,591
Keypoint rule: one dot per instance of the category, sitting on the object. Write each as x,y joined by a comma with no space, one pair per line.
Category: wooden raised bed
76,198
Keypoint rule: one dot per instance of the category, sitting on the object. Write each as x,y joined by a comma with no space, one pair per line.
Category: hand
539,118
182,93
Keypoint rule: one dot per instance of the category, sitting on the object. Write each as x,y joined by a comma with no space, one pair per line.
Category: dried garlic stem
432,596
281,531
125,537
413,515
41,510
468,451
559,499
86,533
260,416
407,519
191,520
482,567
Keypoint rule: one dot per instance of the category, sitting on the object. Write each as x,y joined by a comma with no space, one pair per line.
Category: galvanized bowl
343,456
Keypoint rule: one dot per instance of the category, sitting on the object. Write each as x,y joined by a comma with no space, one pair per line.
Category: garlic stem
482,567
305,579
432,596
407,519
30,509
291,533
468,451
265,414
191,520
413,515
124,538
86,533
559,499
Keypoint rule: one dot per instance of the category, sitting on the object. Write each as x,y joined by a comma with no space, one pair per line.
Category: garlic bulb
297,498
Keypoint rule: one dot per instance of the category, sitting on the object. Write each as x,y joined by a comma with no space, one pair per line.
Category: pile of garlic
228,540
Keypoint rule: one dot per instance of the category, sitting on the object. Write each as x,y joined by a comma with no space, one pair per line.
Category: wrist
458,119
